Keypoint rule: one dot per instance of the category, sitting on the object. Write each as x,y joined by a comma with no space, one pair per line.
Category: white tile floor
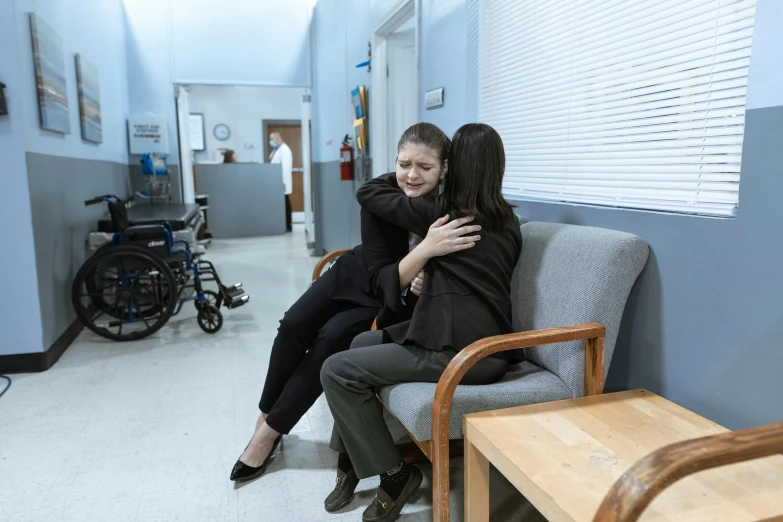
149,431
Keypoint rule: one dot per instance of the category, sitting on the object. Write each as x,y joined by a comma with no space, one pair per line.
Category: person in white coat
282,154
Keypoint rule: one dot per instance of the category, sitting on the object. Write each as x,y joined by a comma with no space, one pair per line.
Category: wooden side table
565,456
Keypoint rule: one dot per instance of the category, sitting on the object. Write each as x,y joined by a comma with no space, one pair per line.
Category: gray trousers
349,381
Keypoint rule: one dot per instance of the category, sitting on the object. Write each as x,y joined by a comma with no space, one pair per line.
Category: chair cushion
524,384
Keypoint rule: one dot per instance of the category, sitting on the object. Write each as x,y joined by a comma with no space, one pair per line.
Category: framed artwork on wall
88,82
50,76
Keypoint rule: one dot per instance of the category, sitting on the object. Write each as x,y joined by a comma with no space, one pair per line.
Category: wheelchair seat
150,237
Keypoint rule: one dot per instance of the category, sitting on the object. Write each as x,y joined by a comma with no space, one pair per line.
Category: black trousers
288,211
350,381
313,329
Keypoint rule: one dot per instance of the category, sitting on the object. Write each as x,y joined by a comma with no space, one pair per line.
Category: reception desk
245,199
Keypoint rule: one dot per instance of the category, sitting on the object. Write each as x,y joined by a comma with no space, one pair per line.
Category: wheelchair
135,283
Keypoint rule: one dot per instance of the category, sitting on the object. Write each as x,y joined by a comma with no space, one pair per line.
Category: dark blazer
368,275
466,295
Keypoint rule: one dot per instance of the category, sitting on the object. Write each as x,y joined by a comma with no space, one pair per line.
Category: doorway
395,77
291,132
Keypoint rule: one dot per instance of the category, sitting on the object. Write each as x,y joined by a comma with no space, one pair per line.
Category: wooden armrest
472,354
637,488
325,260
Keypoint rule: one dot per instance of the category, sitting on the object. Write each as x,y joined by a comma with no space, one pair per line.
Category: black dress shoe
242,472
342,493
384,509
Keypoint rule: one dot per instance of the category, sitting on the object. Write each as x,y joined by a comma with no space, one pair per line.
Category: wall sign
148,133
433,99
3,107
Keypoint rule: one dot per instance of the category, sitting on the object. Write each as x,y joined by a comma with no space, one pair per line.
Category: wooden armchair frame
439,449
639,486
325,260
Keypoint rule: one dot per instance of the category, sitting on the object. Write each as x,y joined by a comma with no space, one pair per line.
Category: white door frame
379,95
185,152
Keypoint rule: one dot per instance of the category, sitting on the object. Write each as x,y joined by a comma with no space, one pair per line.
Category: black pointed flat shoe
242,472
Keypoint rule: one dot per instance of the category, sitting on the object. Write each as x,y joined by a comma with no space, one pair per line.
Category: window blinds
637,104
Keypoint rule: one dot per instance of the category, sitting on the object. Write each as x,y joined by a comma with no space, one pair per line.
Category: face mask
272,144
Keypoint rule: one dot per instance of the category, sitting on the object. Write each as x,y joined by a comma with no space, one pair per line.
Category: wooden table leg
476,485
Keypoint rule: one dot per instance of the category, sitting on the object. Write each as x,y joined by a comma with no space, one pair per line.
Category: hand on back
446,237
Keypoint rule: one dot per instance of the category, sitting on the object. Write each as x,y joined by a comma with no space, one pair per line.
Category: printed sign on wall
148,133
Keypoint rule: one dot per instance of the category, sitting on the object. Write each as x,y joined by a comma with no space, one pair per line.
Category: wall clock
222,132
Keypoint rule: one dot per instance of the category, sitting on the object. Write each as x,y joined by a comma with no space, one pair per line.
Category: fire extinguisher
346,160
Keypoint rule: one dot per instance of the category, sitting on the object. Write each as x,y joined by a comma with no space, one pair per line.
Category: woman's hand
442,238
446,237
418,283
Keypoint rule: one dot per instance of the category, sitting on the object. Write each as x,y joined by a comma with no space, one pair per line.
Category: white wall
242,109
20,314
241,42
94,28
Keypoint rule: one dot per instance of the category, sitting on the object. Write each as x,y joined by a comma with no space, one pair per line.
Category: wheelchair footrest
238,301
234,291
235,296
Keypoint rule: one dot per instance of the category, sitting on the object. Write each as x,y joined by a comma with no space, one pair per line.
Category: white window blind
629,103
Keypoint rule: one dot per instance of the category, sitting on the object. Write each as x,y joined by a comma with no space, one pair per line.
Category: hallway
149,431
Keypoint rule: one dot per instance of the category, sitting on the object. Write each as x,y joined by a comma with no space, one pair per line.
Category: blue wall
241,42
442,61
20,317
341,30
148,51
765,78
95,29
703,326
704,323
232,42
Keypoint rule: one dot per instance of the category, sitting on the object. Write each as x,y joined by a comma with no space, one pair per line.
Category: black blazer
466,295
368,275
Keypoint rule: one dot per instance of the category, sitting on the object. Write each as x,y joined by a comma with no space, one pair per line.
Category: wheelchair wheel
211,298
124,293
210,319
107,277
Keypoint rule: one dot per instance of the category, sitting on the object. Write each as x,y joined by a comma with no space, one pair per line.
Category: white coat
282,154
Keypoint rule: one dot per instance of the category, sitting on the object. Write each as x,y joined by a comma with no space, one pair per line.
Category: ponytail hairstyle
475,179
429,136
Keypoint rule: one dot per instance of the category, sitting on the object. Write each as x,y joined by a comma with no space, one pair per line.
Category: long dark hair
228,156
430,136
475,178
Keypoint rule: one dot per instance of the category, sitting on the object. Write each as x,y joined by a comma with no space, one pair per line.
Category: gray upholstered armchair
569,293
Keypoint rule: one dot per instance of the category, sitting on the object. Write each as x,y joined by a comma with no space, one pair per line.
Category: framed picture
87,79
196,125
50,76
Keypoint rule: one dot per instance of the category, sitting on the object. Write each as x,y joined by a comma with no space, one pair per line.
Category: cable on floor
7,378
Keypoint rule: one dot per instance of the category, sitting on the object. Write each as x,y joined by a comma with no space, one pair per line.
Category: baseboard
40,361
